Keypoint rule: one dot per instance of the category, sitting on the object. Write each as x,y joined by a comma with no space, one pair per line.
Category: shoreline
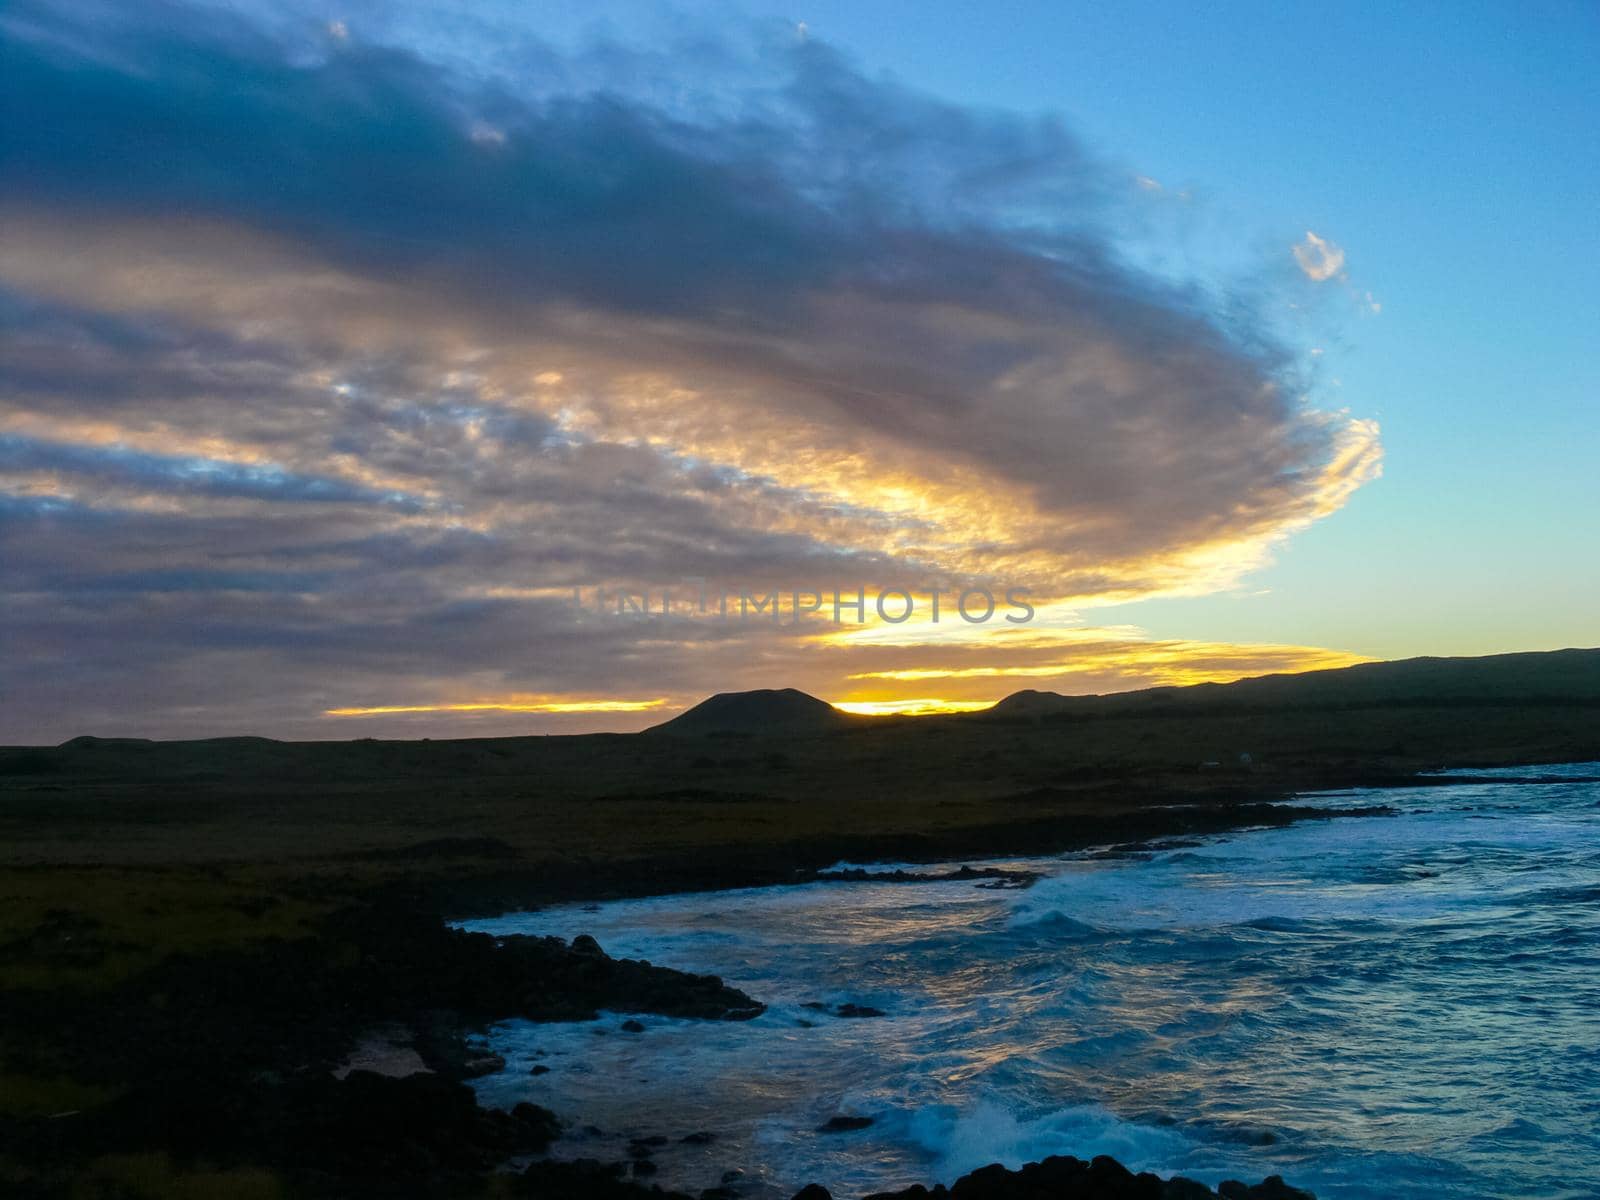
250,1031
1103,1178
789,864
1067,1173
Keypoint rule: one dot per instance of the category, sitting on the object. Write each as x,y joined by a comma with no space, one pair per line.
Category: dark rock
643,1166
844,1124
857,1010
1274,1188
535,1117
698,1138
813,1191
584,944
1066,1178
482,1064
1271,1188
632,1027
366,1124
540,1069
844,1010
586,1179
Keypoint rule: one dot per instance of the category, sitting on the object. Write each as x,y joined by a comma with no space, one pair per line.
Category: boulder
844,1124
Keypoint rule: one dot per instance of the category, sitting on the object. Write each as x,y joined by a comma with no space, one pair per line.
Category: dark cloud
185,475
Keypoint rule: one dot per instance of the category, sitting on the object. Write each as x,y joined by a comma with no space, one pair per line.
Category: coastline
293,1012
226,1037
495,892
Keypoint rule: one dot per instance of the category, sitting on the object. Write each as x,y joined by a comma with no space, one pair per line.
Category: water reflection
1365,1006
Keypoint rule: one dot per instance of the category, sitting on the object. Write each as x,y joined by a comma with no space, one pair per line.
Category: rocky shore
337,1060
243,1060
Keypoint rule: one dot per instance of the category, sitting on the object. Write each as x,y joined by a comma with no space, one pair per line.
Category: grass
88,928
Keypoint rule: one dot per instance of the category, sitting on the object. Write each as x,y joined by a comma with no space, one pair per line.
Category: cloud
1319,258
332,358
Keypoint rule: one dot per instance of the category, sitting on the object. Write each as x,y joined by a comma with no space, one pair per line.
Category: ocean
1372,1007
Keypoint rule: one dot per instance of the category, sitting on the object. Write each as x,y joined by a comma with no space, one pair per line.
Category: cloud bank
333,363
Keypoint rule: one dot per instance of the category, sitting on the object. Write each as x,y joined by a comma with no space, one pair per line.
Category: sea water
1372,1007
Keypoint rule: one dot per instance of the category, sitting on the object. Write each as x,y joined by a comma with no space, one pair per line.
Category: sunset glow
511,704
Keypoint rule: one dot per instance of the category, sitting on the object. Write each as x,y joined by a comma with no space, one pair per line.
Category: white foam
989,1132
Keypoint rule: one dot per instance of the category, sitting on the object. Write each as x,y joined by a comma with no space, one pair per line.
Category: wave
988,1132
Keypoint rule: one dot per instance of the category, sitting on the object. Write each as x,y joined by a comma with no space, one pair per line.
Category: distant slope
1556,676
769,710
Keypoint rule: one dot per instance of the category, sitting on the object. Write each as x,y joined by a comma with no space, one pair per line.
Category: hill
765,711
1552,677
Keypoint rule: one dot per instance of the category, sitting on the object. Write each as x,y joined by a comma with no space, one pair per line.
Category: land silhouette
196,934
765,711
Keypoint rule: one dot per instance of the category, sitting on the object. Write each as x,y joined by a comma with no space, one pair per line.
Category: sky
360,358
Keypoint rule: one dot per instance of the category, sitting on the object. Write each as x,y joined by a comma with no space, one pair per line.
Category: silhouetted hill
768,710
1552,677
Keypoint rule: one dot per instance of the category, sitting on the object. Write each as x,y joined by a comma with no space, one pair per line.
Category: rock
541,1069
1067,1178
1271,1188
698,1138
844,1124
813,1191
585,1178
584,944
371,1124
631,1026
857,1010
844,1010
643,1166
540,1119
482,1064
